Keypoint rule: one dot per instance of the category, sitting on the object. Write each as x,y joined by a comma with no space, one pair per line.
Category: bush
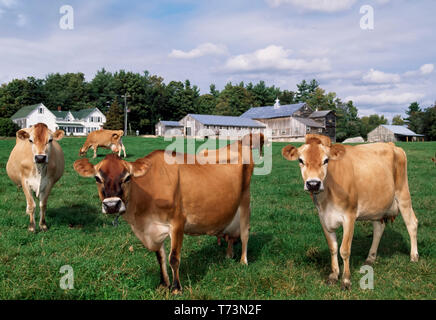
8,128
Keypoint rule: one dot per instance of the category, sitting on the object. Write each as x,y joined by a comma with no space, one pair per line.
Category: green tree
8,128
414,120
397,120
114,117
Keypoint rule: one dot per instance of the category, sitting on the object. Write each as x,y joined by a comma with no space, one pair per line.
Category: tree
305,89
397,120
8,128
114,117
414,119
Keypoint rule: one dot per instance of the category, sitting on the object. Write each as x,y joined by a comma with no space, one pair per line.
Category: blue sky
279,41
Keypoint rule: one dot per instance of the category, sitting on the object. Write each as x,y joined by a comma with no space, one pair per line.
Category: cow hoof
176,291
31,228
244,262
414,257
346,285
43,227
332,279
369,262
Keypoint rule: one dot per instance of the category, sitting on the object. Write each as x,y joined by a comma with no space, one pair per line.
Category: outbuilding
392,133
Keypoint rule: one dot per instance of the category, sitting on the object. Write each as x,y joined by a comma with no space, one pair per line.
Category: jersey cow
159,199
349,183
36,163
109,139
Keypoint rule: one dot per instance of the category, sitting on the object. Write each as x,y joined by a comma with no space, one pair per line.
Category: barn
168,128
201,125
293,121
392,133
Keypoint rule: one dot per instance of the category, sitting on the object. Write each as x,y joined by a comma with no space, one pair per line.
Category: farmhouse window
41,110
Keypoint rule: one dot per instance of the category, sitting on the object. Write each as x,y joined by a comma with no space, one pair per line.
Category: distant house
391,133
78,123
172,128
294,121
201,125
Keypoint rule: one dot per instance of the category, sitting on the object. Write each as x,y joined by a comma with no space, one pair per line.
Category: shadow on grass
80,216
196,264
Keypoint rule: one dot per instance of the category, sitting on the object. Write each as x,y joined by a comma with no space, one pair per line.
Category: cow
36,163
109,139
160,199
349,183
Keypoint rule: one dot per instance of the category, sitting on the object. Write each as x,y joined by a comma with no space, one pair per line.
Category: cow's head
40,139
113,177
314,157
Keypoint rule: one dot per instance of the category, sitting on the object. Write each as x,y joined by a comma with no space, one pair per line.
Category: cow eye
301,161
50,140
326,161
30,140
127,179
98,179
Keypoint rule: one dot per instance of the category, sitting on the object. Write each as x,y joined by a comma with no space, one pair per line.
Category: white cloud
8,3
385,98
274,58
201,50
375,76
426,68
21,20
316,5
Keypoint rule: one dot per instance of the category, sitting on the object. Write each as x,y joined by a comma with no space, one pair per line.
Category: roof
60,114
25,111
226,121
309,122
401,130
320,114
171,123
271,112
81,114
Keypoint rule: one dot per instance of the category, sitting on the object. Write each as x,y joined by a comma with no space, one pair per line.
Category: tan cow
349,183
36,163
159,199
108,139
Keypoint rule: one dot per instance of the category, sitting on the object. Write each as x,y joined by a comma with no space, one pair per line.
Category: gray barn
169,128
391,133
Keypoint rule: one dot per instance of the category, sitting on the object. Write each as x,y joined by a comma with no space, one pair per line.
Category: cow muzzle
113,205
41,158
314,185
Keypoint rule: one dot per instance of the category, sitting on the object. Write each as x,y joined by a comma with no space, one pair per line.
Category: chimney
277,104
59,108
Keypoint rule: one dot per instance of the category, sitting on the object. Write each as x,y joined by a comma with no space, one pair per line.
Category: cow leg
161,258
95,151
43,207
229,252
377,234
345,251
333,246
244,224
411,222
30,207
174,258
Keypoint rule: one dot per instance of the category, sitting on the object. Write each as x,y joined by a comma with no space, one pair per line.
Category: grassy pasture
287,252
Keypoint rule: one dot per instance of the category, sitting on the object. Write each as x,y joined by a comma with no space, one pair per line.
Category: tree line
150,99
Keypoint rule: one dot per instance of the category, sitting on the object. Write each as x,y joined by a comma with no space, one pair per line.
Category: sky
382,68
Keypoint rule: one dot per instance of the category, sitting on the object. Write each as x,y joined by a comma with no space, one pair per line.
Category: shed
171,128
392,133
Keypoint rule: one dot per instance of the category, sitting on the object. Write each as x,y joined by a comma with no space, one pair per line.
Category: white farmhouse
78,123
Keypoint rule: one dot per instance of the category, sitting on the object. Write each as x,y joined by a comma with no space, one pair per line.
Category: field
287,252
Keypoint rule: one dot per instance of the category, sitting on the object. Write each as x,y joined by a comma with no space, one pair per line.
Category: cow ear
139,167
290,152
115,137
23,135
84,168
58,135
336,151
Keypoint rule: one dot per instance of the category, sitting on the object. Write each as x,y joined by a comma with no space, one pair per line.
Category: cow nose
313,185
112,205
40,158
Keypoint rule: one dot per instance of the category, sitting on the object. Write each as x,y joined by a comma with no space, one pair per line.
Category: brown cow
349,183
108,139
159,200
36,163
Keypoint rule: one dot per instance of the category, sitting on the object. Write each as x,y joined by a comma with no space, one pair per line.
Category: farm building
294,121
171,128
201,125
391,133
78,123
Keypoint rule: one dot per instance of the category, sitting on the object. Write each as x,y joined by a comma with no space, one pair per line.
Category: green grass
287,252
